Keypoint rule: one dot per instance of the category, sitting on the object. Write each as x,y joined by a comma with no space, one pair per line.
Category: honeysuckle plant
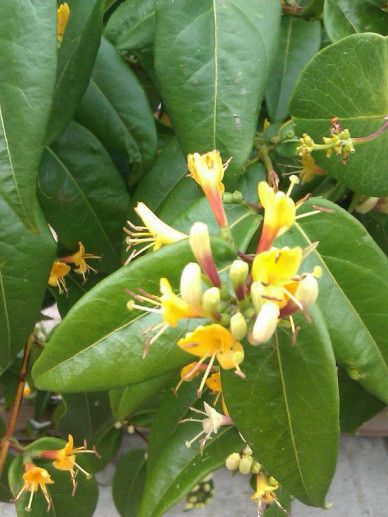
193,215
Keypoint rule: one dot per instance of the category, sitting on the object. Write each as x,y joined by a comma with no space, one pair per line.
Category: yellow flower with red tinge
35,478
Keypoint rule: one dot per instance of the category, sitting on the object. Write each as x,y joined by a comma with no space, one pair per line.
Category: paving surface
359,489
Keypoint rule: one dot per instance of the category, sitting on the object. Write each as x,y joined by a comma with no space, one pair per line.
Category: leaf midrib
86,200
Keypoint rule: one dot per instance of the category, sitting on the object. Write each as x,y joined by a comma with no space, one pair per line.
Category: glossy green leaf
25,264
116,110
311,8
128,482
299,42
83,196
82,504
76,57
213,86
377,226
169,168
27,62
353,291
344,17
248,182
356,405
348,87
177,468
287,408
86,415
125,400
132,25
76,288
107,352
107,444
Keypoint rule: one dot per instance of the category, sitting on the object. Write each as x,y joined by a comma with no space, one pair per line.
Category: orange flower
35,478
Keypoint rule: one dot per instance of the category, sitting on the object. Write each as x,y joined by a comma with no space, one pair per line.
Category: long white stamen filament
307,214
206,375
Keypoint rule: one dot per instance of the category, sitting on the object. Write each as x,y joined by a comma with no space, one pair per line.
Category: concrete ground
359,489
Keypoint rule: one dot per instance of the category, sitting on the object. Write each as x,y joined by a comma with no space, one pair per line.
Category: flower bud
256,467
238,273
191,287
367,205
265,324
233,461
245,464
247,450
211,301
307,290
382,205
238,326
257,291
200,245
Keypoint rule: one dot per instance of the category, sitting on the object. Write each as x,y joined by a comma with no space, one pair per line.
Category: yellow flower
276,267
63,14
214,341
208,171
174,308
309,168
265,490
57,275
65,459
79,260
190,372
279,214
154,234
34,478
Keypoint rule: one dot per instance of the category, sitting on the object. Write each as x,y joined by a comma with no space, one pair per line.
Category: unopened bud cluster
243,462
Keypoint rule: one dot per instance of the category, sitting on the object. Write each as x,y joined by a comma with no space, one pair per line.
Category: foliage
193,245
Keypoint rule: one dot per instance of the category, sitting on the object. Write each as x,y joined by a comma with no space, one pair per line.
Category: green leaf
82,504
311,8
177,468
125,400
86,415
76,56
128,482
25,264
169,168
76,289
352,290
83,196
299,42
107,445
344,17
346,86
27,63
287,408
107,352
132,25
213,86
248,182
377,226
116,110
356,405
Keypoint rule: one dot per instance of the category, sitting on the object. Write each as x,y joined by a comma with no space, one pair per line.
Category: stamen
293,298
206,375
307,214
28,507
294,180
324,209
309,249
88,476
189,443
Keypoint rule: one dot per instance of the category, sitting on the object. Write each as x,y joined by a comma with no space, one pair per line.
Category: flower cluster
35,477
60,269
231,309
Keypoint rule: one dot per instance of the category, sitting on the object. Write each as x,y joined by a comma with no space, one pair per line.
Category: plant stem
5,442
273,178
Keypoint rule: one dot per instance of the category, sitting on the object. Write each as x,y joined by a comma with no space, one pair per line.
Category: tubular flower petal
309,168
265,324
154,234
63,14
79,260
173,307
200,246
35,478
191,284
214,340
207,170
279,214
57,275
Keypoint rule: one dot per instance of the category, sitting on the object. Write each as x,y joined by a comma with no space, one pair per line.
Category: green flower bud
233,461
256,467
211,300
237,196
227,198
245,465
225,320
238,326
